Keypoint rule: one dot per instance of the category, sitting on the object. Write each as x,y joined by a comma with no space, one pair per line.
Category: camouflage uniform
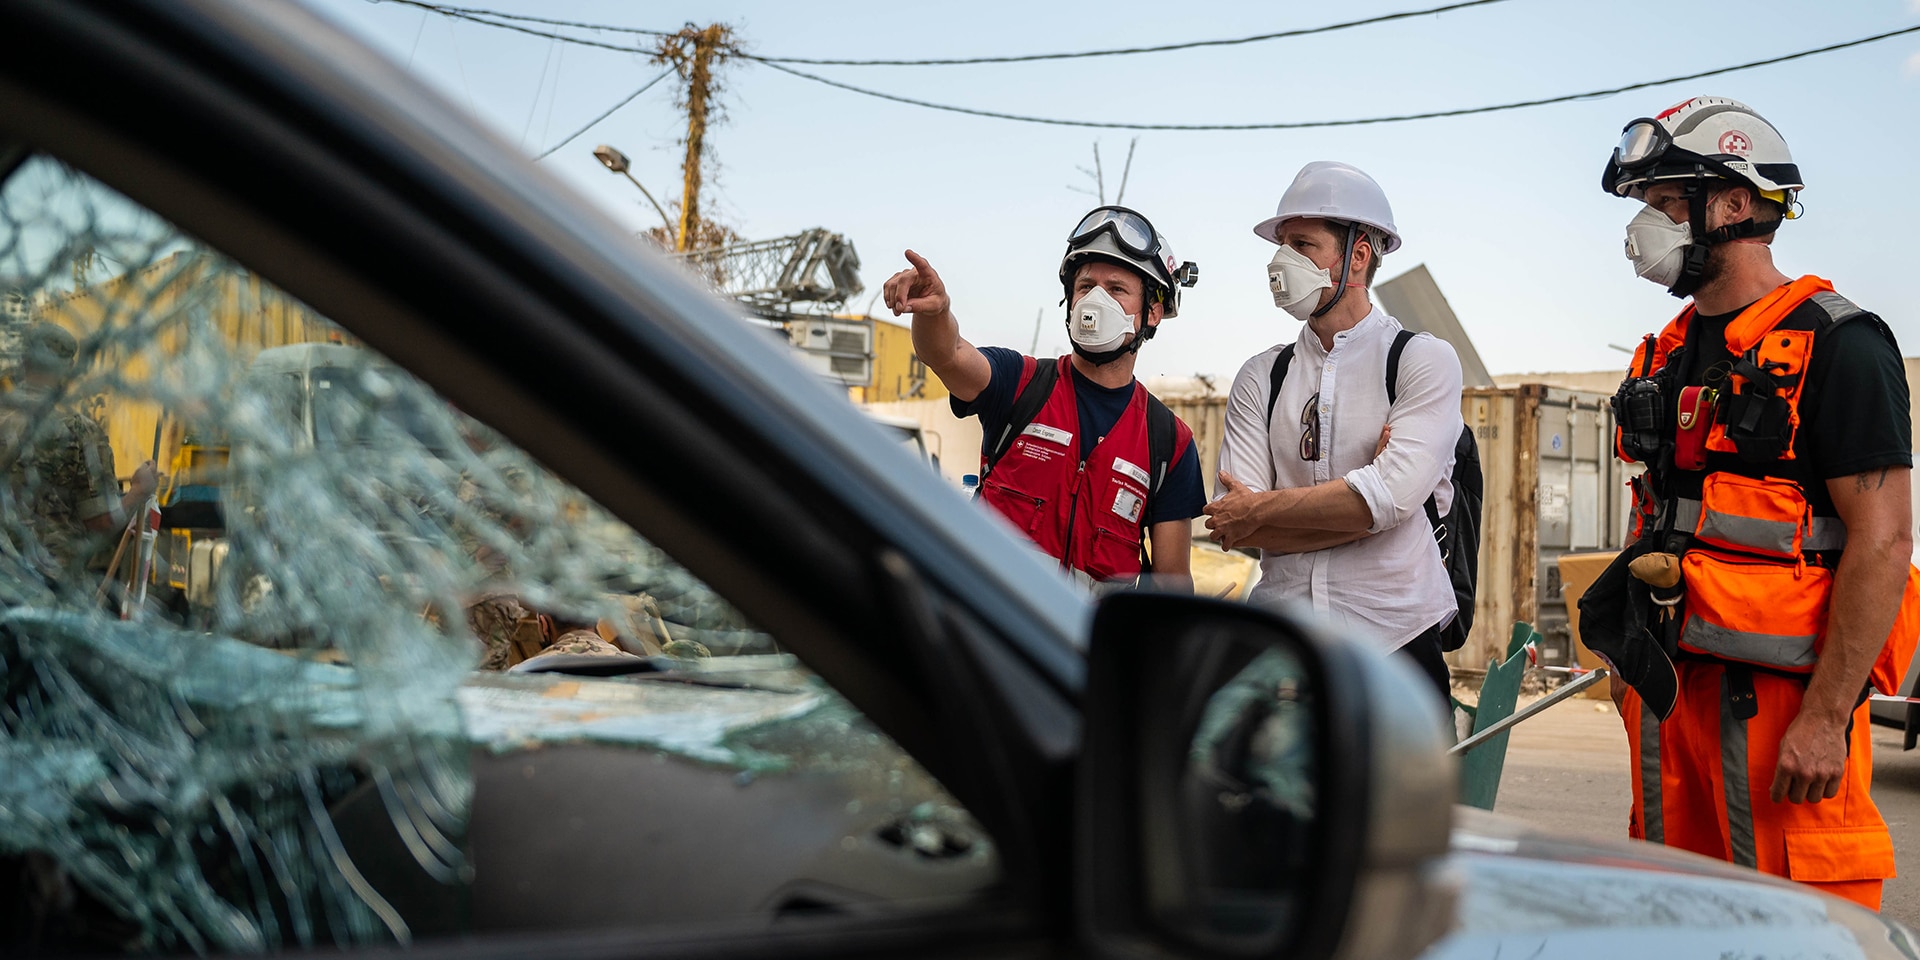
507,629
61,475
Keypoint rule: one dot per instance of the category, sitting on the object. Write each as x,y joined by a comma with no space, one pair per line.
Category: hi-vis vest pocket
1115,553
1022,509
1769,614
1764,516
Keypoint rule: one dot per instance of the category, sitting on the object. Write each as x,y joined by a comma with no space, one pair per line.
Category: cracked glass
294,653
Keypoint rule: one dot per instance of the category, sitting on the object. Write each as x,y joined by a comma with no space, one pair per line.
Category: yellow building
156,318
896,374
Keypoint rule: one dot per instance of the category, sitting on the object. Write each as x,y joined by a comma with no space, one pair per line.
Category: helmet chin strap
1346,268
1693,270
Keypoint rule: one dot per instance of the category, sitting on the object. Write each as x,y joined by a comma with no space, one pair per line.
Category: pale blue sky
1505,208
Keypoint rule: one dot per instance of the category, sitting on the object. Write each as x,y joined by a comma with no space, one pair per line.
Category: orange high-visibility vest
1756,590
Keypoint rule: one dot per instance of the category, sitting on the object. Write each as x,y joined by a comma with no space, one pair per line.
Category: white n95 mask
1657,246
1296,283
1098,323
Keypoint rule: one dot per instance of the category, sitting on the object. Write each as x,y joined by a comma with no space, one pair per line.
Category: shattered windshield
293,652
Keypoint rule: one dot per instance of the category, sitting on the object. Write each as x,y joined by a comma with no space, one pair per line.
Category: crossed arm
1382,494
1289,520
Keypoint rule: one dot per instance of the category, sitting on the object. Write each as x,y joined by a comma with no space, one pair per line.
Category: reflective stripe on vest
1773,649
1774,536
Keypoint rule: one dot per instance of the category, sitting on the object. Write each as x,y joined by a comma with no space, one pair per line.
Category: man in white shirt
1329,478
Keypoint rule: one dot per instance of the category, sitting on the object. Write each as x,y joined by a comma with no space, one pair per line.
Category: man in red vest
1075,452
1770,585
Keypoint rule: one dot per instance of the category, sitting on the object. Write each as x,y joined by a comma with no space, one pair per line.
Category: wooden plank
1526,496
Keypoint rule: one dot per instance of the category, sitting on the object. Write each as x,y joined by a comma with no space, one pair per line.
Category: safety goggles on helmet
1129,229
1642,143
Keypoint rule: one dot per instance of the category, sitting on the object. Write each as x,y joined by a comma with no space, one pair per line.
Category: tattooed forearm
1863,482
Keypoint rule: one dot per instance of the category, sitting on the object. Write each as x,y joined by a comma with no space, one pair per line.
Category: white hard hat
1705,137
1330,190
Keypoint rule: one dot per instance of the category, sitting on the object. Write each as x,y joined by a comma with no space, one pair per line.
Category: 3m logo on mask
1099,323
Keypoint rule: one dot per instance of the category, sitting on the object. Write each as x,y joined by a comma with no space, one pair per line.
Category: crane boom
770,277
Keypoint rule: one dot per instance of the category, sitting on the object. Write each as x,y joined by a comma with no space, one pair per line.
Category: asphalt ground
1567,772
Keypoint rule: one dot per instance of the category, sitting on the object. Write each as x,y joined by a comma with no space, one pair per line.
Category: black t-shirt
1853,411
1181,496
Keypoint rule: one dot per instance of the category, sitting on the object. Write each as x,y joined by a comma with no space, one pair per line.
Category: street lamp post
616,161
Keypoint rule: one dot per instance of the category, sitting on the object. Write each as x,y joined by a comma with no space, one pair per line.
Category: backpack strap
1276,378
1393,394
1393,363
1160,440
1026,406
1162,434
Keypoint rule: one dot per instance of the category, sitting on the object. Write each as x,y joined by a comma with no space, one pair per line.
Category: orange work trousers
1701,782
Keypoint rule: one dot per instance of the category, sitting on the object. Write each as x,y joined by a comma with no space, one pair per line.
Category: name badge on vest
1127,504
1040,431
1049,434
1132,471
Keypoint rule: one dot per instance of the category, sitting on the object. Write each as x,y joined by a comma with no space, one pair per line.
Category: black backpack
1458,533
1026,406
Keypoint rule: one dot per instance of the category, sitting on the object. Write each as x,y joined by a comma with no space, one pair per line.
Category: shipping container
1553,487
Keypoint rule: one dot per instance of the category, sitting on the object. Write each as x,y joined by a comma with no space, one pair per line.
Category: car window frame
143,159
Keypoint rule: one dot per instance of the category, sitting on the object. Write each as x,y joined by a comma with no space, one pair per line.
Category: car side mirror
1250,787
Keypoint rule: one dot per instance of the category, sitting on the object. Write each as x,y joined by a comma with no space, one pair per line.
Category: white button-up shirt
1389,586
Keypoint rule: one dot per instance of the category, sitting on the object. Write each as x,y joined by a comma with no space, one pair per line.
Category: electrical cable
610,111
476,14
1130,51
461,13
450,10
1361,121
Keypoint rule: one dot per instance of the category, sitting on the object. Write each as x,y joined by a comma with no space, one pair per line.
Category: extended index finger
920,263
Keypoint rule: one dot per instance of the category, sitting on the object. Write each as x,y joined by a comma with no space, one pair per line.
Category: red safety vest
1752,591
1091,515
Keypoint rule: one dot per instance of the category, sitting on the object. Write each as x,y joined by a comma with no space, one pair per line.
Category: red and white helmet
1703,138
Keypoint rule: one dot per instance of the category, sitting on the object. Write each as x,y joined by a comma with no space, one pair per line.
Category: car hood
1524,893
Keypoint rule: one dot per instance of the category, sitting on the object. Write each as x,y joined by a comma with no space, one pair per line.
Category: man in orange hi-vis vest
1770,585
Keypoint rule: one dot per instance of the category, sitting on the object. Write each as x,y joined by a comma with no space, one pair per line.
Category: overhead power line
480,16
610,112
451,10
1130,51
509,21
1361,121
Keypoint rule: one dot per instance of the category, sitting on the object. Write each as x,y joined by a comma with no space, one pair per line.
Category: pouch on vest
1692,423
1764,613
1022,509
1760,415
1759,426
1640,410
1118,512
1765,516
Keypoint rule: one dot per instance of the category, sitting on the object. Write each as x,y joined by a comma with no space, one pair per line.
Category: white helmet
1330,190
1123,236
1694,144
1703,138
